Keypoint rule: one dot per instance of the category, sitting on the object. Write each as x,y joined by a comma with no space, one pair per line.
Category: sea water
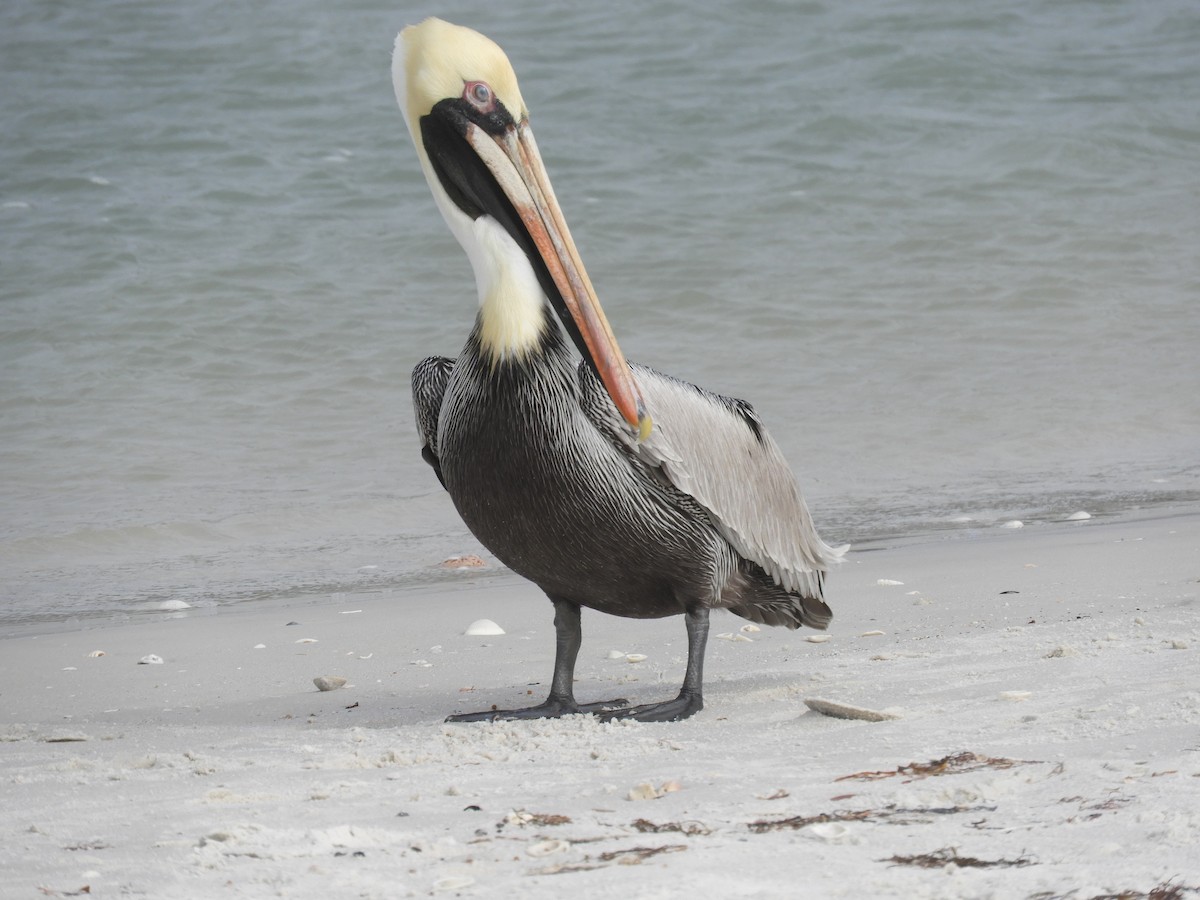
949,251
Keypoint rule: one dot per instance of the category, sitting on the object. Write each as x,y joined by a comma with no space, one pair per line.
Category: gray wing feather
429,379
715,449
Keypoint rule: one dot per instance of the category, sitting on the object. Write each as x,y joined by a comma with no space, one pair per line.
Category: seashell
643,791
817,638
1078,516
846,711
468,561
875,633
96,654
260,646
1015,696
307,641
1014,523
888,582
151,659
483,626
749,628
829,831
350,612
545,848
670,787
329,682
636,657
173,605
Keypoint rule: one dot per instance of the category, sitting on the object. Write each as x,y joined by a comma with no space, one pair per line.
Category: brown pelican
608,485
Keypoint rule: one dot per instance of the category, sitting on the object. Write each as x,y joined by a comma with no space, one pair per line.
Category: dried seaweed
954,764
634,855
948,856
1165,890
548,819
689,828
892,815
522,818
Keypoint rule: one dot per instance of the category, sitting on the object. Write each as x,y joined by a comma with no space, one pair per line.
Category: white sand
223,772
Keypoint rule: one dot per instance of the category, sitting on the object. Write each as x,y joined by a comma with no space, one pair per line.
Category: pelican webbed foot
686,704
551,709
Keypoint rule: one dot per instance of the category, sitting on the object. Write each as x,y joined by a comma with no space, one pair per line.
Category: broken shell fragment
329,682
467,561
635,657
1015,696
151,659
817,638
846,711
96,654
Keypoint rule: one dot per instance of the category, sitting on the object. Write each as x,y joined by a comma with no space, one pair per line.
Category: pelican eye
480,96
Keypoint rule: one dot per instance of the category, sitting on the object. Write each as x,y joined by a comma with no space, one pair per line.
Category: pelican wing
716,450
429,378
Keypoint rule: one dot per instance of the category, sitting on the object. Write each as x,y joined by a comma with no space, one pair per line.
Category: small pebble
151,659
329,682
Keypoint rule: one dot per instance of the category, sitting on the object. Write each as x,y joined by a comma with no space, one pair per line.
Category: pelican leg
690,700
561,702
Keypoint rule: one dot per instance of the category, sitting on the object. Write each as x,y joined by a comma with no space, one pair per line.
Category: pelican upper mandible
606,484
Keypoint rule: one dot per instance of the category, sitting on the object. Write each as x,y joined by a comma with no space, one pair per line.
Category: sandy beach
1045,740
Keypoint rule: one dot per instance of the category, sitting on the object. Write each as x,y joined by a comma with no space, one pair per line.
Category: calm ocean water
949,252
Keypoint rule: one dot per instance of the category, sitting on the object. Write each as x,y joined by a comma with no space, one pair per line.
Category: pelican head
470,126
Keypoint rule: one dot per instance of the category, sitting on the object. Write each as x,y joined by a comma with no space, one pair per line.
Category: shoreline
1050,670
495,574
